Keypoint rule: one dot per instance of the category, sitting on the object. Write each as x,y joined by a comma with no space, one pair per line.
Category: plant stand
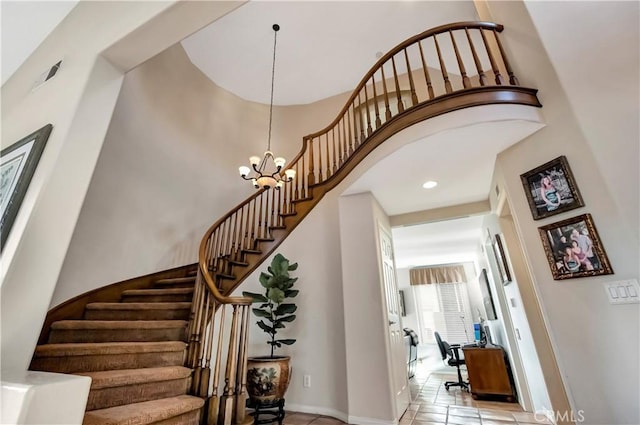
273,411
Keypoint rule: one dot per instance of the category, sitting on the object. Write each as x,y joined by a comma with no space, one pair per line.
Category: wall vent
46,75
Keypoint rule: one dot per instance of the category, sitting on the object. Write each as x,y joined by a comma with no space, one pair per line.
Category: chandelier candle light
263,175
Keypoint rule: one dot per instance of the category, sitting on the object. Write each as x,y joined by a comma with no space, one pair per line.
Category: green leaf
276,295
286,319
261,313
266,327
286,341
256,297
265,305
285,309
291,293
278,325
293,267
265,280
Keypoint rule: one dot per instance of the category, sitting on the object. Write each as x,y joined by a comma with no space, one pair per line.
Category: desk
489,372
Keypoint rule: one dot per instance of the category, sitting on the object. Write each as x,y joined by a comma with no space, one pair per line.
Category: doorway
457,241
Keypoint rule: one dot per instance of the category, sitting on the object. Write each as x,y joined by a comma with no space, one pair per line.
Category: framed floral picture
18,162
551,189
573,248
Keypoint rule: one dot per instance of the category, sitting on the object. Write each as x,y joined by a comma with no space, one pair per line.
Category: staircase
133,351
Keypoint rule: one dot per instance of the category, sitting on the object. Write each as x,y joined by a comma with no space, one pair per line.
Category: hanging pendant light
265,172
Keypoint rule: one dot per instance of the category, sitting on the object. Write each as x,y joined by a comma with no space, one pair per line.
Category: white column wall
364,316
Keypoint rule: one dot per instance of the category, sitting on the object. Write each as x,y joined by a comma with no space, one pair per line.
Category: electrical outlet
306,382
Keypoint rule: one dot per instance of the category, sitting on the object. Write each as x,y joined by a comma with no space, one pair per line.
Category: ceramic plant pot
268,378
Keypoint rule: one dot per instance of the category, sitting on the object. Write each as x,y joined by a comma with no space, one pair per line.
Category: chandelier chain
264,176
273,74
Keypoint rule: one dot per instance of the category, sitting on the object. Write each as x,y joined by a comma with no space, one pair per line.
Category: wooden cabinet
489,372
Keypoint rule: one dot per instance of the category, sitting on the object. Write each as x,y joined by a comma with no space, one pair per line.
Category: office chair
453,351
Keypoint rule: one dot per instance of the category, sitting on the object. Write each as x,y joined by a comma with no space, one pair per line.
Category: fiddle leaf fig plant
273,309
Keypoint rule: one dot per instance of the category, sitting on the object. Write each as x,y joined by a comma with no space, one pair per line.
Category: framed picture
487,299
501,260
551,189
18,162
573,248
403,310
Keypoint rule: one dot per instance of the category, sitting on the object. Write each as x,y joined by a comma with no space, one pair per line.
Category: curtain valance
437,274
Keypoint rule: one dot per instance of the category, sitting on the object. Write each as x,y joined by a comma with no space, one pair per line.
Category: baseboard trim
358,420
317,410
325,411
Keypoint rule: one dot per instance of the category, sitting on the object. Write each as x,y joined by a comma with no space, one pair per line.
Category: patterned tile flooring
431,404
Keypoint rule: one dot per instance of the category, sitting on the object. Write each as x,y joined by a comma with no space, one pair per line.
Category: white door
400,384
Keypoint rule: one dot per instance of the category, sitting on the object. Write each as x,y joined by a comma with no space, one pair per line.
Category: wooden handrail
384,102
408,42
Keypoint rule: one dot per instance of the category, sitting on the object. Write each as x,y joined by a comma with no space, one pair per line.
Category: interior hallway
431,404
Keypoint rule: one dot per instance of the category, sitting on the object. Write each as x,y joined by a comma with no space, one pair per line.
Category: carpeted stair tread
118,324
163,291
147,412
139,306
116,378
88,348
175,281
87,331
93,357
172,295
134,310
111,388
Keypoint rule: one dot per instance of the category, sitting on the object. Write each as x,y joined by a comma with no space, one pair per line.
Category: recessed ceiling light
430,184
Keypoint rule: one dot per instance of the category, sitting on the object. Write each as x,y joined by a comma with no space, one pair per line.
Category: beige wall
168,170
583,326
319,326
78,102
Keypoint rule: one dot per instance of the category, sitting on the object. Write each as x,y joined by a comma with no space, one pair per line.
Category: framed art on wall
487,299
573,248
551,189
501,260
18,162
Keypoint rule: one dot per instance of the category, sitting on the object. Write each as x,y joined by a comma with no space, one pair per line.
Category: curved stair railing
438,71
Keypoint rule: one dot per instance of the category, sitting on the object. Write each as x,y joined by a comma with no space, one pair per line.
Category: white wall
364,316
521,347
582,325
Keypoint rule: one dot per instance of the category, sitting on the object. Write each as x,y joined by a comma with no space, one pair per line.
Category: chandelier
265,172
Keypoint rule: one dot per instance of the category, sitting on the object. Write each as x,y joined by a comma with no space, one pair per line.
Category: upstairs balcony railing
440,70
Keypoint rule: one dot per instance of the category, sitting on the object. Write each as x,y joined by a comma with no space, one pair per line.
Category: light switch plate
623,291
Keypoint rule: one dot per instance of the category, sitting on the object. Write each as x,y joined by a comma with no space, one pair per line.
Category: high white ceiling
460,160
236,53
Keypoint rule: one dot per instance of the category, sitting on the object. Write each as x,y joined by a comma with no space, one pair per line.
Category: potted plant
268,376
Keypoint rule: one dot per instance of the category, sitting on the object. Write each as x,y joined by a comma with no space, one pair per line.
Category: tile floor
431,404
